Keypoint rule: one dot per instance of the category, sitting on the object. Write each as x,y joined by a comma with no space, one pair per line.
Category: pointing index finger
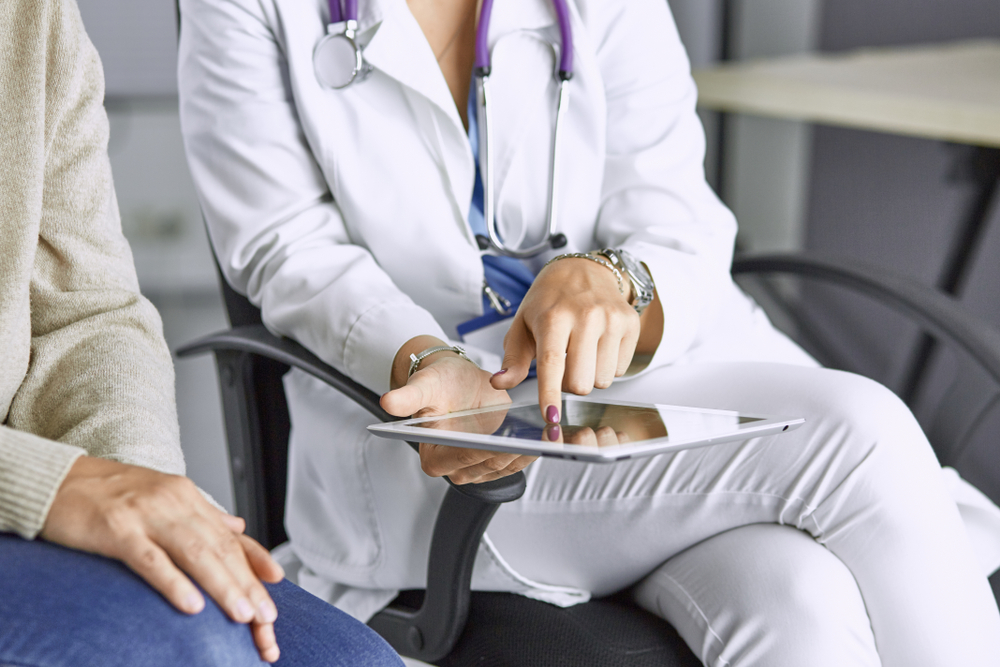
551,366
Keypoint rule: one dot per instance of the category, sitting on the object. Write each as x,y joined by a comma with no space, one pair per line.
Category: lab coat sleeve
279,236
655,200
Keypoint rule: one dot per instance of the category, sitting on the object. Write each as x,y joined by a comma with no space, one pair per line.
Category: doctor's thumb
404,401
515,369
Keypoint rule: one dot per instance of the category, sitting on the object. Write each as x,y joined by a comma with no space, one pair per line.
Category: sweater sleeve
100,379
31,470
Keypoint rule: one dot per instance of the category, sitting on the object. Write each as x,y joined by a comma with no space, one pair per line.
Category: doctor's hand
164,530
578,326
445,382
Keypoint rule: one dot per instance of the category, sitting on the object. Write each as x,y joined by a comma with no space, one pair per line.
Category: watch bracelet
415,359
641,296
603,261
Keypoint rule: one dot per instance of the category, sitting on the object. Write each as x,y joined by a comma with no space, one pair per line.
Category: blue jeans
65,608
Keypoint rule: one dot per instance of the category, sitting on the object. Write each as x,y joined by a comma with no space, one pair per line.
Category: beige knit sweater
83,364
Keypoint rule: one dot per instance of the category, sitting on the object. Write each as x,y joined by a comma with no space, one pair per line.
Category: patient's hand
161,527
447,383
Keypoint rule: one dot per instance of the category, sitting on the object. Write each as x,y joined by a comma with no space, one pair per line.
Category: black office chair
444,624
447,624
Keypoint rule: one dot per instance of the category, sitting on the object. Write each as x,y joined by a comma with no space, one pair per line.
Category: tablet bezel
406,429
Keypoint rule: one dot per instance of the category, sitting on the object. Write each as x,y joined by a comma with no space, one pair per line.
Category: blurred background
885,199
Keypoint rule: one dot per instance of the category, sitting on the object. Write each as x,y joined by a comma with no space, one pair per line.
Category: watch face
637,270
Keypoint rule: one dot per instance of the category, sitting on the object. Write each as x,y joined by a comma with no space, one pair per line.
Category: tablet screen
595,424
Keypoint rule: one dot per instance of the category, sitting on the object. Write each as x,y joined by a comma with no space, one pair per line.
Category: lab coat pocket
331,514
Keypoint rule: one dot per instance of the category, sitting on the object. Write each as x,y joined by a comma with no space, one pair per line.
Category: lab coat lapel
400,50
522,85
511,15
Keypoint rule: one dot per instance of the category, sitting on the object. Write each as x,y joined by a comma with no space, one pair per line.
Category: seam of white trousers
720,661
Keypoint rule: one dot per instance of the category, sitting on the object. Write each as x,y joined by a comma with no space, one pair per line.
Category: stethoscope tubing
350,11
348,16
483,68
482,62
551,239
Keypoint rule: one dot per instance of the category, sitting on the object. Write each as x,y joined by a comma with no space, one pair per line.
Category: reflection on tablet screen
594,424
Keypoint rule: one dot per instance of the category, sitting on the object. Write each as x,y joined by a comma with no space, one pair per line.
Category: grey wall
137,40
766,160
850,24
698,23
765,175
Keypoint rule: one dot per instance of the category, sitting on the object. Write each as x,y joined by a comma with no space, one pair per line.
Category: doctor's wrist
416,345
597,259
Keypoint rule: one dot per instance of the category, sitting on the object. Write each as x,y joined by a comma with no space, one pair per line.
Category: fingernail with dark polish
552,432
500,372
552,414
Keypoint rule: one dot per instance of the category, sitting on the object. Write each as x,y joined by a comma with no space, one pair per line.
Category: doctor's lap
858,476
858,488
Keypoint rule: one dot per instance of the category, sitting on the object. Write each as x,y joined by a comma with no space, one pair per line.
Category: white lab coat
343,215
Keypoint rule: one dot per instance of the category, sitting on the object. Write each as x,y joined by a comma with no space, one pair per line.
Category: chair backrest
268,409
961,422
961,410
239,309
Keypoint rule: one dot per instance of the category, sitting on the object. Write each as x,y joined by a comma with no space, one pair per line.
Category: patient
89,453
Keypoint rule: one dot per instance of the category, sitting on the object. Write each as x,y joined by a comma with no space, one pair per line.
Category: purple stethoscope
339,62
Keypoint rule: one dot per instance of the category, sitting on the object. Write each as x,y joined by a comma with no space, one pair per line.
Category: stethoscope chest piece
337,58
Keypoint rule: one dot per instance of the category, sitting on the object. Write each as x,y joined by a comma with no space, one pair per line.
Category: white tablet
597,431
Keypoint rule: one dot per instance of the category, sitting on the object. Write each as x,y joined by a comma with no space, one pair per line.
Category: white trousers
860,556
834,544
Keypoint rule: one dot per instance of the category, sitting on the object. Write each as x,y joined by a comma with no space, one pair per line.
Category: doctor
366,189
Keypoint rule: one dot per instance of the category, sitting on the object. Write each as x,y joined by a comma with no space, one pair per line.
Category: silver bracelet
415,359
593,258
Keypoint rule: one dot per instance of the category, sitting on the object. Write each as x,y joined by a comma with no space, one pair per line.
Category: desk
948,92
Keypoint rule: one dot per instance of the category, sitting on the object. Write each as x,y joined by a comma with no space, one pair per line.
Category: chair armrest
256,339
430,632
939,313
